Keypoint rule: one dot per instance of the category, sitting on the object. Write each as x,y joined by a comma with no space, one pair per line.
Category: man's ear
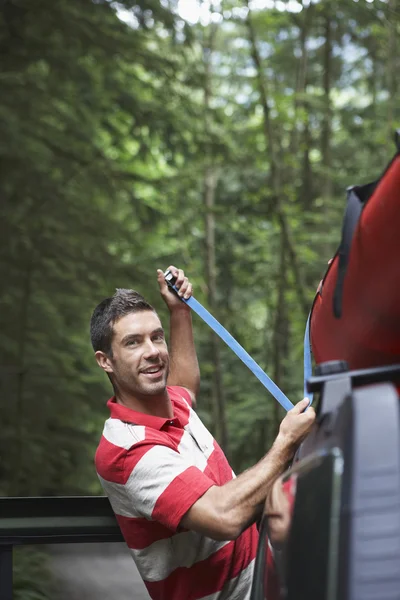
104,361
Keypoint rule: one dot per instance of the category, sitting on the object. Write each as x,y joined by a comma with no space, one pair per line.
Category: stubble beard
132,385
155,388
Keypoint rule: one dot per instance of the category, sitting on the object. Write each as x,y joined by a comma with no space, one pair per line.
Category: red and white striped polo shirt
153,470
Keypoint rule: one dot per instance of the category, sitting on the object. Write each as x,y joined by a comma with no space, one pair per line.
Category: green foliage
106,137
105,141
31,576
86,132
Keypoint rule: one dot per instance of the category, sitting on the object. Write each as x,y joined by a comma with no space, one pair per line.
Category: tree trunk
279,332
303,129
391,68
274,176
326,125
304,23
373,81
210,183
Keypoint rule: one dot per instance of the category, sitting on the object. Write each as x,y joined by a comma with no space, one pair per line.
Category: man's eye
159,337
133,342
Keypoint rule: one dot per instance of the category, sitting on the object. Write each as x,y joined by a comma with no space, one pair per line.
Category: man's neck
159,405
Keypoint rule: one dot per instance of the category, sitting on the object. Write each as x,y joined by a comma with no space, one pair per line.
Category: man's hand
296,425
184,367
278,512
319,288
182,284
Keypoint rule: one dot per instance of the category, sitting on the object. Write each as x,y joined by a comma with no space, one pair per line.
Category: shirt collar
127,415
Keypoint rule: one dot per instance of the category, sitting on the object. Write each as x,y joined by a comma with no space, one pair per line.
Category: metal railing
55,520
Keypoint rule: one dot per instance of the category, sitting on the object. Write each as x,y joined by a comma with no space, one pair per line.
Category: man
190,524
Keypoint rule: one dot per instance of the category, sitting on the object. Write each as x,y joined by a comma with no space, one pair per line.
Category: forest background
131,139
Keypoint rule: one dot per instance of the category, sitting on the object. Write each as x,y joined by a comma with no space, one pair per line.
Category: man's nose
151,350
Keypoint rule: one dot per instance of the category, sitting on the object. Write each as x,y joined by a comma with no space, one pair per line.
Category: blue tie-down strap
307,360
233,345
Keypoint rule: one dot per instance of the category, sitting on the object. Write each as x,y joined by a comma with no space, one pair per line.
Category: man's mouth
153,372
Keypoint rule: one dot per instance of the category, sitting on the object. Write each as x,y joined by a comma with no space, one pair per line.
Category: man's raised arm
184,366
224,512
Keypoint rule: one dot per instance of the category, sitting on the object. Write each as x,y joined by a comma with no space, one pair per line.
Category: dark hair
108,312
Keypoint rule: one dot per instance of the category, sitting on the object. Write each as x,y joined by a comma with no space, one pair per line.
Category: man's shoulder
120,440
180,395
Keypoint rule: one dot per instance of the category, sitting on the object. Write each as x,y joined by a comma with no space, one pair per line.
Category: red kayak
365,331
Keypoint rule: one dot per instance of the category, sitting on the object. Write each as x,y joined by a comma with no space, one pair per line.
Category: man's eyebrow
138,336
158,330
130,336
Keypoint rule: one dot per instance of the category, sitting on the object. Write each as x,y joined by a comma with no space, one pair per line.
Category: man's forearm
184,366
242,499
223,512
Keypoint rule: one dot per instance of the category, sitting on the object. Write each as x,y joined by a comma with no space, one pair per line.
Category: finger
180,276
273,495
308,415
278,501
183,288
311,414
277,491
173,270
161,280
306,421
300,406
272,499
189,291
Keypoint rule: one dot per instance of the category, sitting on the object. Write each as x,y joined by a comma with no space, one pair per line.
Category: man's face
139,364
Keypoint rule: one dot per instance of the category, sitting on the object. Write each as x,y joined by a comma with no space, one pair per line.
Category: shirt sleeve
161,485
184,393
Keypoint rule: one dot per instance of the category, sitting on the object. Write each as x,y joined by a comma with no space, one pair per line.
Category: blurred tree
130,140
87,131
108,149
